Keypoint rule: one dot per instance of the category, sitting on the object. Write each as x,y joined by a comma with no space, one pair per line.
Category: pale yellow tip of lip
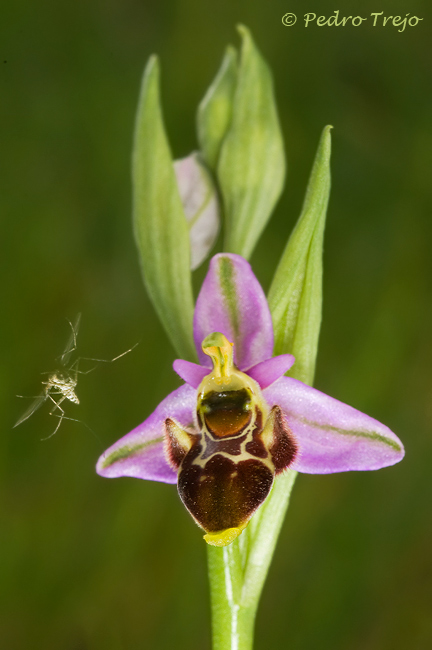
224,537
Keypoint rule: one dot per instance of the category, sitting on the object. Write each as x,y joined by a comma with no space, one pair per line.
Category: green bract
215,110
161,230
251,166
295,296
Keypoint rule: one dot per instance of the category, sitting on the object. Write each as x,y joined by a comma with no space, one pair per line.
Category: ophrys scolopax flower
229,430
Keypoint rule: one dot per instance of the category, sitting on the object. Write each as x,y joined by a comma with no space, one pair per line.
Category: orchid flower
230,429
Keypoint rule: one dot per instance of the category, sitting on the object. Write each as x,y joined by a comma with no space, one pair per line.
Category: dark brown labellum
227,470
224,493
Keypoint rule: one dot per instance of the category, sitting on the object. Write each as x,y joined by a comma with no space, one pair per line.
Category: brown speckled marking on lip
231,446
255,446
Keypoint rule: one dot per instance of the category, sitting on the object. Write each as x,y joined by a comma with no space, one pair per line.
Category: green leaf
295,296
251,168
160,226
215,110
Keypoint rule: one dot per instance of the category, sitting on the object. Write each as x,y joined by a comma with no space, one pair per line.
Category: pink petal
191,373
200,205
231,301
332,436
268,371
140,453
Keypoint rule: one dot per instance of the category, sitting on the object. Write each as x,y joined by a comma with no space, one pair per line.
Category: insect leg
106,360
57,404
72,342
65,417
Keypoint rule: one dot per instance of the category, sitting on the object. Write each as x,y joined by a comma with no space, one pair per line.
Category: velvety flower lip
331,436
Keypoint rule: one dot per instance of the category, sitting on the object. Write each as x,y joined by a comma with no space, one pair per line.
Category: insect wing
71,344
32,408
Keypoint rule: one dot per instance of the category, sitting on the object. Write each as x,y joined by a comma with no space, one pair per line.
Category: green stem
237,572
232,624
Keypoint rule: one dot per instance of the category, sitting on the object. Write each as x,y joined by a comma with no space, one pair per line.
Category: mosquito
61,384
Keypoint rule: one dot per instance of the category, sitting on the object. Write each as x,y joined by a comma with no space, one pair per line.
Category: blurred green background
93,564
